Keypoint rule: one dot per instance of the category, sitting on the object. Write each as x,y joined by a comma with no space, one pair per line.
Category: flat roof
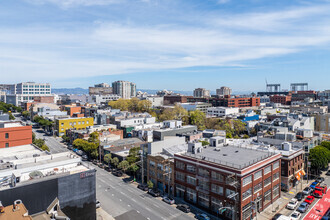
11,124
122,142
231,156
19,214
173,129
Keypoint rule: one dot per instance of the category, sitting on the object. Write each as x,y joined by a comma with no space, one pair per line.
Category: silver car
303,207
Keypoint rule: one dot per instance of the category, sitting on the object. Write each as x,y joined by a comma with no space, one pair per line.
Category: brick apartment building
229,176
292,167
14,134
283,99
159,168
237,102
302,95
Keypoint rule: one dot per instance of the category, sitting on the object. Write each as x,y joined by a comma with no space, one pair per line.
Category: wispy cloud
74,3
109,47
223,1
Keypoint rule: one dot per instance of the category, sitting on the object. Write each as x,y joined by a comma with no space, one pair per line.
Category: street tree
197,118
150,184
115,161
124,165
107,158
319,157
326,144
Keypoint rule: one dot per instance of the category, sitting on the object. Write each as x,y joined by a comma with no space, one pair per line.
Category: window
217,176
257,187
267,196
203,185
229,192
62,129
191,168
191,195
160,176
268,169
74,123
267,181
247,211
257,175
7,145
203,200
276,190
276,165
247,194
152,164
247,180
83,122
7,135
159,166
151,173
70,123
276,176
217,189
191,180
79,122
215,204
179,165
62,124
180,176
203,172
87,122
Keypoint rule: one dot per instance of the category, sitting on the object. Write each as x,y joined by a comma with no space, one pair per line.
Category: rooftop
21,213
11,124
232,156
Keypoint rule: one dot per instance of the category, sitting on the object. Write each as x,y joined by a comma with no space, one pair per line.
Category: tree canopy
319,157
133,105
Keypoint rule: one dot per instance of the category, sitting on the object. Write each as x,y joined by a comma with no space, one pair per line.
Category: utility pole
142,156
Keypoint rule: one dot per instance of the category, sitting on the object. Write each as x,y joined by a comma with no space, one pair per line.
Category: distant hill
76,91
82,91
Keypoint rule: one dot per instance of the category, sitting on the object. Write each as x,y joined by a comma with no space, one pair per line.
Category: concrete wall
76,193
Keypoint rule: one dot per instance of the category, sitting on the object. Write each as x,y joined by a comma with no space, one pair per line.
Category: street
55,146
118,197
318,207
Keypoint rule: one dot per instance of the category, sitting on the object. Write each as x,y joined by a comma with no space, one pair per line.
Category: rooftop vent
236,151
224,154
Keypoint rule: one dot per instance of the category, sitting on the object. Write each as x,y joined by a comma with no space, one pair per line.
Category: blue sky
172,44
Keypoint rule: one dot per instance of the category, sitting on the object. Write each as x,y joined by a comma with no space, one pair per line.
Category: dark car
202,217
319,179
107,168
144,187
154,192
328,173
95,162
70,147
299,196
101,165
277,216
117,173
183,207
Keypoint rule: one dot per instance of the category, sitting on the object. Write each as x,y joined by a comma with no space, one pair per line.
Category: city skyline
78,43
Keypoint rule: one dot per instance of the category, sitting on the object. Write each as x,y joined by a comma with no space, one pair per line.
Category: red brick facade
15,136
266,173
283,99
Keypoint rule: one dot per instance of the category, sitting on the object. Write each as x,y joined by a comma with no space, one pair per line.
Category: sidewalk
103,215
280,204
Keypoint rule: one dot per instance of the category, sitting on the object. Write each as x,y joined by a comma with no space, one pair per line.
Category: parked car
154,192
295,215
319,179
319,191
84,157
183,207
101,165
299,196
327,173
98,204
168,200
292,204
314,184
307,190
144,187
107,168
70,147
202,216
118,173
79,152
309,199
303,207
95,162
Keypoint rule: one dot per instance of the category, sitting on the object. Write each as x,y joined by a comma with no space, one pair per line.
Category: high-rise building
201,93
125,89
224,91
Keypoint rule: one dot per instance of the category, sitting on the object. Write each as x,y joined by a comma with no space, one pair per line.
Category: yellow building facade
61,125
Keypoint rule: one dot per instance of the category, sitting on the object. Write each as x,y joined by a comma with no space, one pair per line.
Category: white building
102,99
201,92
156,101
221,111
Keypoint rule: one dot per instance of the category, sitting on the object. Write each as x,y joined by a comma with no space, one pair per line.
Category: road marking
113,195
148,218
291,192
137,211
129,205
156,205
284,198
133,200
120,200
